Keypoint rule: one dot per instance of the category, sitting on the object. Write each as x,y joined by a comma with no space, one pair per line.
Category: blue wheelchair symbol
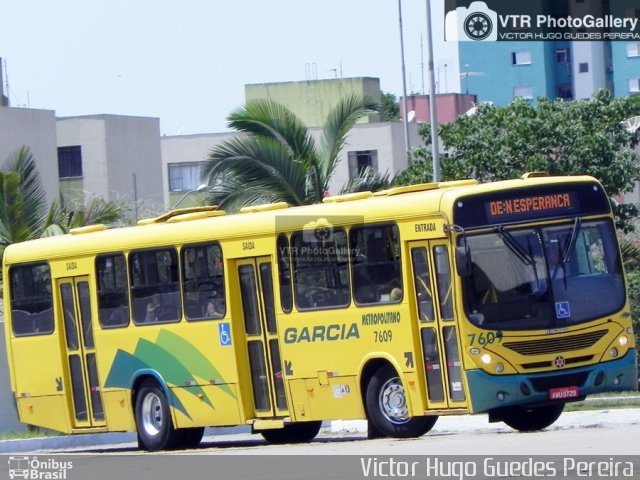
562,310
224,332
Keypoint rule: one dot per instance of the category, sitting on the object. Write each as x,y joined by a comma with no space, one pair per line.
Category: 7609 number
383,335
485,338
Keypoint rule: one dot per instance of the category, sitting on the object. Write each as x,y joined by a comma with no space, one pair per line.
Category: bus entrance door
436,322
261,336
82,372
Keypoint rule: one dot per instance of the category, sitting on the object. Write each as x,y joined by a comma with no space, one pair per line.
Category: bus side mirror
463,261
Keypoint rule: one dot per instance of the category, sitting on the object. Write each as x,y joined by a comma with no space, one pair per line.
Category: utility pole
432,100
404,82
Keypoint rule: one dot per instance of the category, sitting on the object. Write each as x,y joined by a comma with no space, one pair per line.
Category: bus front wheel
388,409
189,437
153,418
530,419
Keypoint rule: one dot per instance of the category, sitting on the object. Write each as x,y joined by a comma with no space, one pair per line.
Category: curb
92,440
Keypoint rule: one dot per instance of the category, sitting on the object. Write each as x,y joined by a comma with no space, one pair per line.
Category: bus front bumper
488,392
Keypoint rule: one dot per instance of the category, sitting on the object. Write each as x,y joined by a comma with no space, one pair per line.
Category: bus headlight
622,340
499,367
613,352
486,359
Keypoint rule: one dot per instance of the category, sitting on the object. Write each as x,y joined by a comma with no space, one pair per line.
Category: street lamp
200,188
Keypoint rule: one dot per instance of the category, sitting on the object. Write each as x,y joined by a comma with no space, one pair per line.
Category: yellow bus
505,298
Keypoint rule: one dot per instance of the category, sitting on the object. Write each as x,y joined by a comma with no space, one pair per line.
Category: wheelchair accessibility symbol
224,332
562,310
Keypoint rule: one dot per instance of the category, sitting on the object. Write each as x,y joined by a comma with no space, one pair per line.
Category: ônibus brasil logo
34,468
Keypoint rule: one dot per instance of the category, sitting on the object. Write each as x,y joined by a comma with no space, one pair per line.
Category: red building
449,106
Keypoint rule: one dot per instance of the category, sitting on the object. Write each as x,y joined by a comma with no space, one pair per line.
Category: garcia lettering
321,333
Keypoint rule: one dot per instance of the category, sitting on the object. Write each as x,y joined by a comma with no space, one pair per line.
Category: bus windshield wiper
513,245
571,242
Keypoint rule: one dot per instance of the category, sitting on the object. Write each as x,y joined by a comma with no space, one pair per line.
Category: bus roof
401,203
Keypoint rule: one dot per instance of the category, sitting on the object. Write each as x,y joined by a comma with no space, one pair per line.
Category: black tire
530,419
293,433
387,408
189,437
153,418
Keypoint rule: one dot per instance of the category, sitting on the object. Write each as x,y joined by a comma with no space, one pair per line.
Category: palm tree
278,160
23,204
367,179
60,219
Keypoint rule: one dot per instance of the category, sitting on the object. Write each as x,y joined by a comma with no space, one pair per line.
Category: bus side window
443,274
155,291
31,300
320,270
422,283
203,282
375,264
284,272
113,290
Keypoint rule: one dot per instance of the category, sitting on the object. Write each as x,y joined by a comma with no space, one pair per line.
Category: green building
312,100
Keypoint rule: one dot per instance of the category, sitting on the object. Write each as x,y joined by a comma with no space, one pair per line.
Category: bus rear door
438,330
75,306
260,334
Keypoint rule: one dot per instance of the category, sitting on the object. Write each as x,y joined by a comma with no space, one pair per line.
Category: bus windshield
548,277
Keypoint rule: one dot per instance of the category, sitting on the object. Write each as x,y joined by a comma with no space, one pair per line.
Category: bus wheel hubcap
152,419
393,403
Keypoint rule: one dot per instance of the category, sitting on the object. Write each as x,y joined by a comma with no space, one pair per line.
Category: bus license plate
564,393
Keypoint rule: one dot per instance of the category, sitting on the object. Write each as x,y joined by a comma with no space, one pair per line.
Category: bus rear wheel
302,432
153,418
388,409
530,419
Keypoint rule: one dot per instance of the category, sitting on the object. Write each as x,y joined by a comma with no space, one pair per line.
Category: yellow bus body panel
324,352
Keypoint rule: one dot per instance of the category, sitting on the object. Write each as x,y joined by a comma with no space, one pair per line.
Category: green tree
559,137
630,248
278,159
389,107
562,138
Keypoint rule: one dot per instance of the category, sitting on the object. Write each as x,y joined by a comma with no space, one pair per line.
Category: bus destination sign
531,206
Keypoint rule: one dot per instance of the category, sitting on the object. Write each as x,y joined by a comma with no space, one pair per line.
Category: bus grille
549,363
555,345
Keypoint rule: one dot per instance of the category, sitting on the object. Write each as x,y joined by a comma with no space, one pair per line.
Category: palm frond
98,210
341,119
269,119
368,180
232,194
60,219
34,196
52,231
15,227
257,161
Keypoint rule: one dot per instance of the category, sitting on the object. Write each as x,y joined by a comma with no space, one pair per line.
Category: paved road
599,432
468,446
608,438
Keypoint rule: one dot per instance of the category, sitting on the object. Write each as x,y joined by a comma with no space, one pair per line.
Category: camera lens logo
323,234
478,26
318,231
474,23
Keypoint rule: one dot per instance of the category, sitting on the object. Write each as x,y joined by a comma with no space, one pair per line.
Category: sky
186,62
